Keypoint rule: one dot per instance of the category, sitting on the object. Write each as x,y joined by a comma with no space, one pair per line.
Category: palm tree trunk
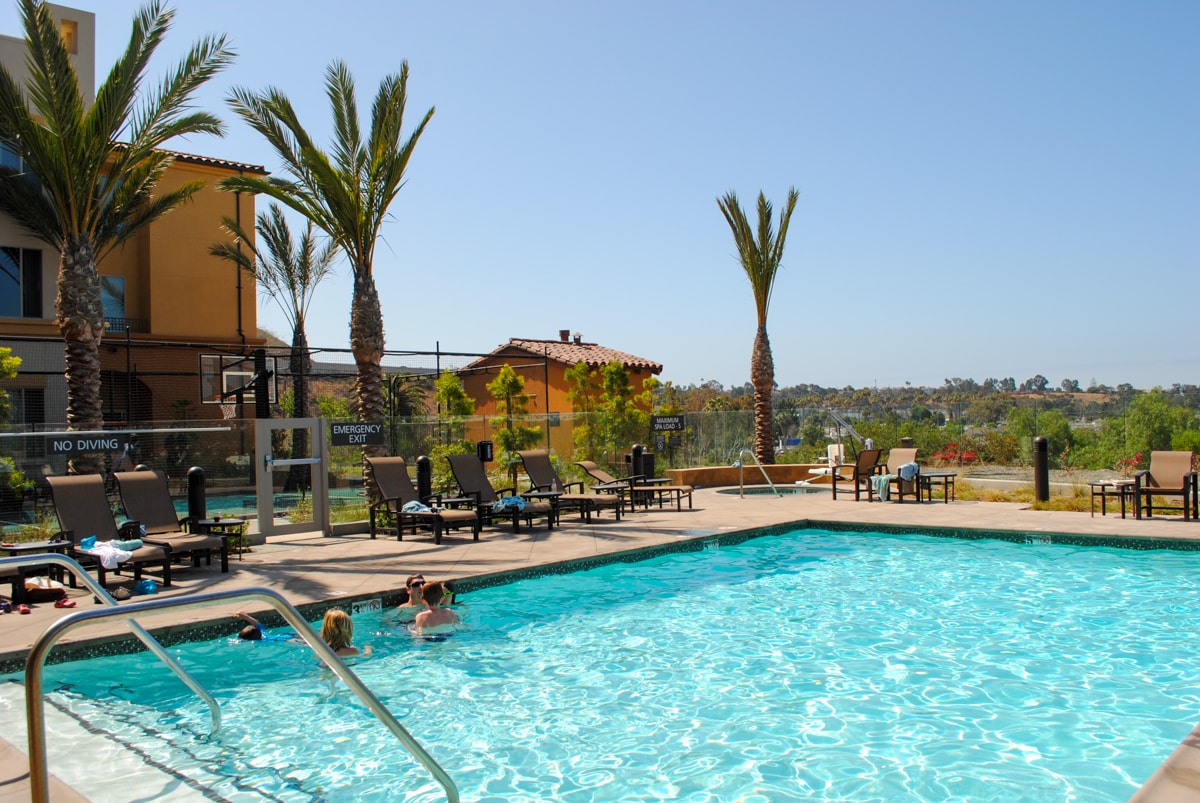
81,323
762,376
301,364
366,341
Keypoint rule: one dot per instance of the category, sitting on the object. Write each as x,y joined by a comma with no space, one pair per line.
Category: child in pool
437,619
254,631
337,630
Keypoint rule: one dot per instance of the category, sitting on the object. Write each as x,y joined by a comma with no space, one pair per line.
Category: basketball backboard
222,375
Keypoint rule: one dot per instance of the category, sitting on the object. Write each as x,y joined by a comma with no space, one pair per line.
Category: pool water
808,666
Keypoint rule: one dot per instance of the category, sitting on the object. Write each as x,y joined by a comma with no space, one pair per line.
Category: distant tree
508,389
1008,385
288,273
1037,384
1070,386
1151,421
760,253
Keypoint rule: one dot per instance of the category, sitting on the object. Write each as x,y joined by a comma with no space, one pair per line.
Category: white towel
109,554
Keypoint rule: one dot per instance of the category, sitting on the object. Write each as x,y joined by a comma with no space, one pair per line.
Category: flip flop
24,609
64,602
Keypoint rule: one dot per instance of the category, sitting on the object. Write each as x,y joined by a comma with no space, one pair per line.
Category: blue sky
986,189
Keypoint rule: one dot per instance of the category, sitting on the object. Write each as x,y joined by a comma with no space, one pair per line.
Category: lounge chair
858,474
397,490
83,510
637,488
1170,474
895,482
473,482
544,479
147,499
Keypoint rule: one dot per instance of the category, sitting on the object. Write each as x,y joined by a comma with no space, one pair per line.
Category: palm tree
287,272
89,176
760,254
346,194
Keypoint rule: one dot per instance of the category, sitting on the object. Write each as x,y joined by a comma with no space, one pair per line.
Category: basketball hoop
228,410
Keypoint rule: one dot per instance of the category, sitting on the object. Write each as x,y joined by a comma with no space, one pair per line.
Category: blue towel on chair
909,471
416,507
883,486
508,503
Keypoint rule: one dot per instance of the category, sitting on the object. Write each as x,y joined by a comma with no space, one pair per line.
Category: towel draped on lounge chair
883,485
416,507
508,503
908,472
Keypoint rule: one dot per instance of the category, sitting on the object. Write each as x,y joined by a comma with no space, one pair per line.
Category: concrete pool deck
309,569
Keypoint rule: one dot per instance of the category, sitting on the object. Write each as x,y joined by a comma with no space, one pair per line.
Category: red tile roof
212,161
571,353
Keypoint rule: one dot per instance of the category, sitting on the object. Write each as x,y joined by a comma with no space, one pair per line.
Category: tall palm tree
89,176
287,272
346,193
760,254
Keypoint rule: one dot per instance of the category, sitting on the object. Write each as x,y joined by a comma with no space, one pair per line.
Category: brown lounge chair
147,499
397,490
473,482
544,478
83,510
637,487
1170,474
896,458
858,474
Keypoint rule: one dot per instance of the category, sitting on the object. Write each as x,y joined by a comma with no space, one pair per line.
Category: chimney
577,337
563,334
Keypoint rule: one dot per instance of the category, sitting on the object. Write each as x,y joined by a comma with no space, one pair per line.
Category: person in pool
337,630
254,631
413,604
437,619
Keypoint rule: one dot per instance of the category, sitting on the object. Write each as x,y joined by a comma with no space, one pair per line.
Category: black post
262,401
128,376
196,501
636,464
424,477
1041,470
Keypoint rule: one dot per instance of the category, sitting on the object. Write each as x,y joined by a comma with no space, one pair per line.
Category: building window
69,29
20,283
112,296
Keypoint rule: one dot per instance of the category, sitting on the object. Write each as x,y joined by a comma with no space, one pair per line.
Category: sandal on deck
24,609
64,602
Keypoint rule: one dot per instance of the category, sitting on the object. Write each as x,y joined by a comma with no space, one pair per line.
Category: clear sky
986,189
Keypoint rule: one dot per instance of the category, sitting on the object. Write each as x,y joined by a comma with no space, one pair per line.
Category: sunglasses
416,583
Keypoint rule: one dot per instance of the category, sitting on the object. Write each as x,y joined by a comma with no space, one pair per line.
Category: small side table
1110,489
39,547
550,496
226,528
927,479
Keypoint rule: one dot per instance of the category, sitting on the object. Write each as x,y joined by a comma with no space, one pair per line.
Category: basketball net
228,410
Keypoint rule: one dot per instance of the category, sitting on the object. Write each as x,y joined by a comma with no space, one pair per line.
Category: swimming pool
807,666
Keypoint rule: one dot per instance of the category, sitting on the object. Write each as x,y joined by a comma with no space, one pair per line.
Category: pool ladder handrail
39,779
101,594
741,467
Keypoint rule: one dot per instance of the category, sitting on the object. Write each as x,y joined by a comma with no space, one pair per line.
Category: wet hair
337,629
250,633
433,593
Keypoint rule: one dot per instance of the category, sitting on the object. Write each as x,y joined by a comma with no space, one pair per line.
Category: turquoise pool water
808,666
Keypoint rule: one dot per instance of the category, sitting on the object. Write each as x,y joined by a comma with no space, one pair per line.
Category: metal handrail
38,772
101,594
741,469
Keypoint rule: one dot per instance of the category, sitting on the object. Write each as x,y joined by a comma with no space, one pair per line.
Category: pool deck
309,569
